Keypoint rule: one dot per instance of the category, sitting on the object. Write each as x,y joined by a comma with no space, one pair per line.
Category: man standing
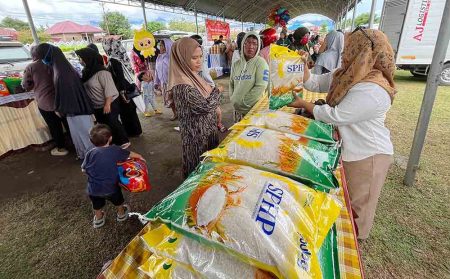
219,41
249,76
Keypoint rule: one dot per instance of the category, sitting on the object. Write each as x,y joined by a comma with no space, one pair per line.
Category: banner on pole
215,28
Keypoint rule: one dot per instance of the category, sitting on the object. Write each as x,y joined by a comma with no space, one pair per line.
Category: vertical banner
215,28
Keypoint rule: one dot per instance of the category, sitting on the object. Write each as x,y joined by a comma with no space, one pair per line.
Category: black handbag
132,91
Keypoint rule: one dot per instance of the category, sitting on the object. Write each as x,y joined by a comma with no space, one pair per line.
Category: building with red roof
10,33
71,31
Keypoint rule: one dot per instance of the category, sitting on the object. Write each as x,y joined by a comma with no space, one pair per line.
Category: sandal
100,222
222,128
124,217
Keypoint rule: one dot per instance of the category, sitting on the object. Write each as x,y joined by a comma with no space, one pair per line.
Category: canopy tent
249,11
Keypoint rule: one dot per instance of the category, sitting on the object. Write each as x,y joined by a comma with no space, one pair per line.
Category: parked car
159,35
14,57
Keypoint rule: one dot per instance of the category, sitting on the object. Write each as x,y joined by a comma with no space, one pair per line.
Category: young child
100,165
146,79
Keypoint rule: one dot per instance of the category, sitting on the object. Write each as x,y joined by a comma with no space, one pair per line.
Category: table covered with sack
21,124
338,255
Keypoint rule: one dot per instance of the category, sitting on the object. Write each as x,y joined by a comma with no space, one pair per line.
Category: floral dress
198,123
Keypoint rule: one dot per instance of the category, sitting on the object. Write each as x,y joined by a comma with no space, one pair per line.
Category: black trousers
55,125
119,136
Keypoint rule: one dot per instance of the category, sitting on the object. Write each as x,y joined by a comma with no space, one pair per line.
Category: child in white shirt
146,79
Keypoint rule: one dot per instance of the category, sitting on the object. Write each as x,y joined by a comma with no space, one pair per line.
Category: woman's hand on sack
220,87
304,55
107,108
297,102
300,103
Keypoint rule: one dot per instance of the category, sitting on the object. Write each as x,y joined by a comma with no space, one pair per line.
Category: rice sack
286,76
289,123
304,160
264,219
208,261
158,267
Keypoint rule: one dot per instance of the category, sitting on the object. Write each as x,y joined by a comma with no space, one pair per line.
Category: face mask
304,41
47,58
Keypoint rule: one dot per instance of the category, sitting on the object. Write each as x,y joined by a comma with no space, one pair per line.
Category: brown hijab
363,63
179,69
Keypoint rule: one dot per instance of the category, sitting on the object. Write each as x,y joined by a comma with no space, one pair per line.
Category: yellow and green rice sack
208,261
289,123
269,221
304,160
286,76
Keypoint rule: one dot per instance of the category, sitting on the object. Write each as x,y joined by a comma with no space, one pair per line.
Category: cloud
49,12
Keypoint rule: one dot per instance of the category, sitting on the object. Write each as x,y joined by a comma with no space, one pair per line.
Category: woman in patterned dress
195,101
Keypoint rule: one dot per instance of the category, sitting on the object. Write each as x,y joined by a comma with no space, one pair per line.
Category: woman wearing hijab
71,98
104,59
162,74
101,89
360,94
195,100
120,68
330,59
39,78
301,39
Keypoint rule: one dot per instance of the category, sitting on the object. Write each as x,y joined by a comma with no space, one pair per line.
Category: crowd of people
356,69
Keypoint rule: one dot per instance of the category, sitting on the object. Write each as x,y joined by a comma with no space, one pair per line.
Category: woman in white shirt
360,94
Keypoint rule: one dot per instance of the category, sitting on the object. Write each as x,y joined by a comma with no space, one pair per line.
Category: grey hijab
330,59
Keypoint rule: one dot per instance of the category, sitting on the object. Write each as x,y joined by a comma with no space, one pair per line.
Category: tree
15,23
184,25
117,24
153,26
25,36
362,19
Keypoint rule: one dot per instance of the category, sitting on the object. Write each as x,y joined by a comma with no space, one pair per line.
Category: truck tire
416,74
444,77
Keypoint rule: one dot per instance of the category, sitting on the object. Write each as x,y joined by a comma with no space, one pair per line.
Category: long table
21,124
126,264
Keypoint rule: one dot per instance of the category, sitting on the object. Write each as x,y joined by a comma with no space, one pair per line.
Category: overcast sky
48,12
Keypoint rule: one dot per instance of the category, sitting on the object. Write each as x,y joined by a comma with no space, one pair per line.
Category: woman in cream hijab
195,102
360,94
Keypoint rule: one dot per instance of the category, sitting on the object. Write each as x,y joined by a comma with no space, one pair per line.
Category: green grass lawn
47,232
411,236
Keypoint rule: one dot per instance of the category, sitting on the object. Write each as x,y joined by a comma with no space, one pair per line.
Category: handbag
131,92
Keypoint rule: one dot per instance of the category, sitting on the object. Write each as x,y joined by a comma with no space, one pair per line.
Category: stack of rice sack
260,207
234,221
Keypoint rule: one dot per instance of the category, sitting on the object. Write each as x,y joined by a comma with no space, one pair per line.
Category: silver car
14,57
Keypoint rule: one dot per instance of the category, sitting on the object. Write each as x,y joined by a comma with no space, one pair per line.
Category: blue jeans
149,97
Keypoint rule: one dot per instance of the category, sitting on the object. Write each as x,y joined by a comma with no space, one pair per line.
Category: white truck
412,27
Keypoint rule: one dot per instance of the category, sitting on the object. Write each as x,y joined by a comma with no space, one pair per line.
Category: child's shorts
98,202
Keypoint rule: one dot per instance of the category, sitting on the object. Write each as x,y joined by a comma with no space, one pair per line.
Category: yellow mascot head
144,42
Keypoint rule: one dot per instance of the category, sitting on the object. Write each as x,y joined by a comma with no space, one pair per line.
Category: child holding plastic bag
100,165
